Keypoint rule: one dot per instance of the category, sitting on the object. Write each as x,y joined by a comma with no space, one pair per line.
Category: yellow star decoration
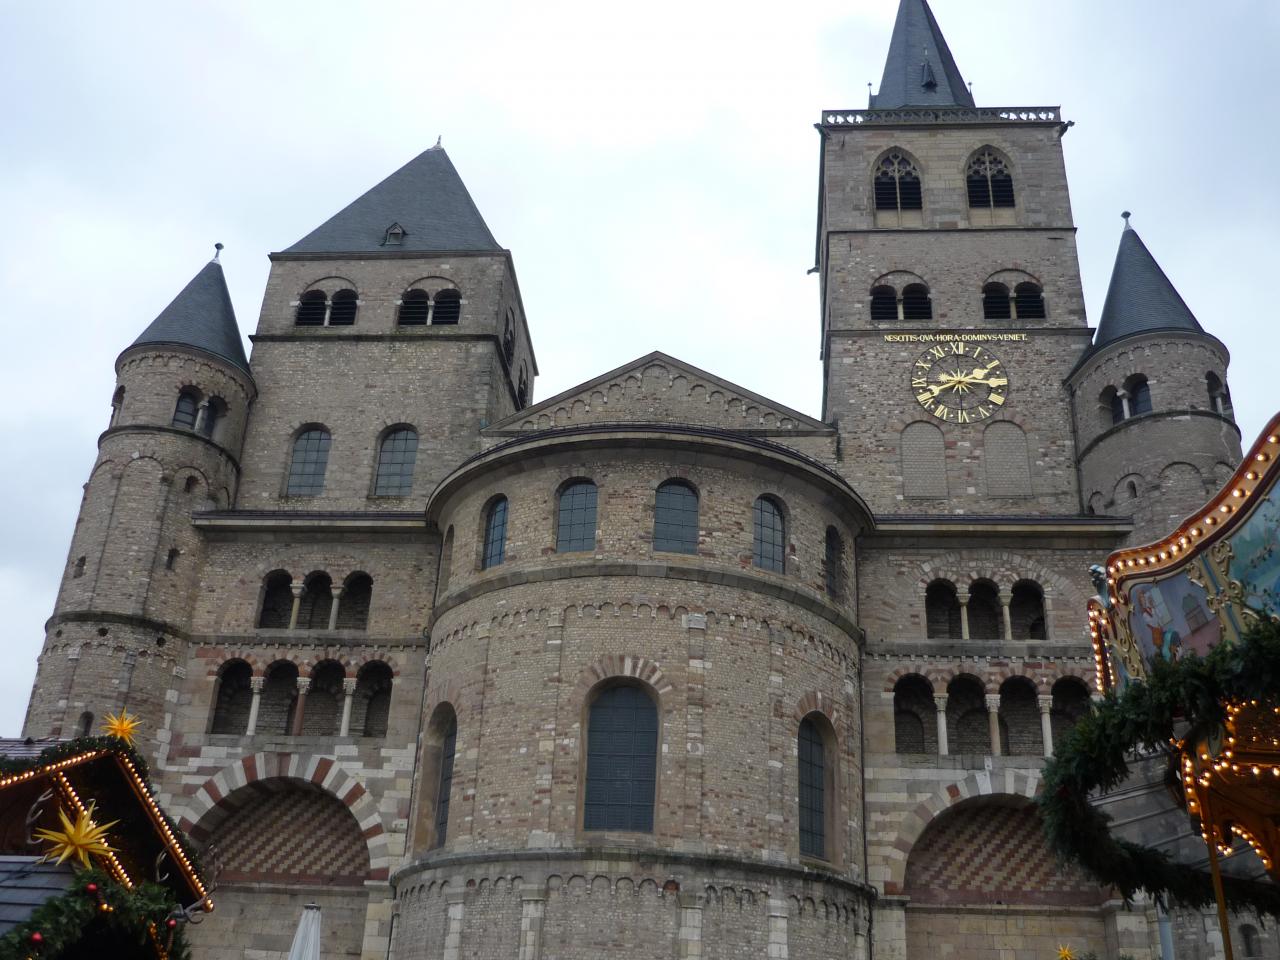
77,839
121,725
1064,953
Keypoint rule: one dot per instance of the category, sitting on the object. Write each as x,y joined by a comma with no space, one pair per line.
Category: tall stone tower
122,621
951,299
1152,410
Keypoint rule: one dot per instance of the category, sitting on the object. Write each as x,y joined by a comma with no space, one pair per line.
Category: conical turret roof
919,71
1141,298
201,316
426,203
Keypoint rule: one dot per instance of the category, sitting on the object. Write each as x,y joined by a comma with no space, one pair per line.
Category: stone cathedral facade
657,667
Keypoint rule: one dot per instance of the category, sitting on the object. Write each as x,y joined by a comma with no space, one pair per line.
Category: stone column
1124,403
689,946
1047,606
297,589
333,608
453,933
1008,619
964,619
300,706
202,413
993,721
777,948
255,684
533,903
940,704
1046,724
348,691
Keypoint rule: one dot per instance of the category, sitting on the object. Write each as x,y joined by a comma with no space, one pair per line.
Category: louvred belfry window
897,183
988,180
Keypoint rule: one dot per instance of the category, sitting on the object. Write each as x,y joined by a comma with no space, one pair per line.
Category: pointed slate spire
1141,298
425,199
201,316
919,71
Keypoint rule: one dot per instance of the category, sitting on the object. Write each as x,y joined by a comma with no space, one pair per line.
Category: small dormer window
394,236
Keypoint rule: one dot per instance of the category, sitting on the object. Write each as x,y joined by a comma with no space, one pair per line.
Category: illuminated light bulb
1195,531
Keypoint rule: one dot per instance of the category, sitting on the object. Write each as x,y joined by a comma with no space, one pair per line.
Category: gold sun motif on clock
959,382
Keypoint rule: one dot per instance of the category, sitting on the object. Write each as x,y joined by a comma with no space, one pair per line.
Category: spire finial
439,138
217,252
1126,215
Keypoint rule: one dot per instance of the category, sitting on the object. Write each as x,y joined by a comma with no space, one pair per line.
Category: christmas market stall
1171,785
90,866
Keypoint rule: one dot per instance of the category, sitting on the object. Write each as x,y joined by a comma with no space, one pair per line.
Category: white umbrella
306,941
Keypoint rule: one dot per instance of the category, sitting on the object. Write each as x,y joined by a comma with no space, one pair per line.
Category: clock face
959,382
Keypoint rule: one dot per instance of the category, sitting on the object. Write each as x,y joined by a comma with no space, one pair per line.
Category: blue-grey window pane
812,764
495,534
835,564
622,756
576,526
396,458
675,518
447,750
184,414
310,458
769,539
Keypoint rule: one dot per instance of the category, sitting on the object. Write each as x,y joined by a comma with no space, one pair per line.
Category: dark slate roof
25,885
201,316
426,197
1140,297
919,71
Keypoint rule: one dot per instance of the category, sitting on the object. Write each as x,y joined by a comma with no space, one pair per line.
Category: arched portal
981,874
276,845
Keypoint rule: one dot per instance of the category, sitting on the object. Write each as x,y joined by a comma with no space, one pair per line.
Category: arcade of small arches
1133,398
282,700
315,603
1023,300
985,612
967,717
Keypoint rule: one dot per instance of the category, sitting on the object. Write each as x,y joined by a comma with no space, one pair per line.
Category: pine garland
125,915
1095,755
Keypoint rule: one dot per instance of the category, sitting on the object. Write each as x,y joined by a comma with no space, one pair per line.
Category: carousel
1170,787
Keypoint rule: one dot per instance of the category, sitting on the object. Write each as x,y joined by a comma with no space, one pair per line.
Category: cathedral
656,667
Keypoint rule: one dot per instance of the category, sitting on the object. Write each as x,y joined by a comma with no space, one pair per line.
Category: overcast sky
654,172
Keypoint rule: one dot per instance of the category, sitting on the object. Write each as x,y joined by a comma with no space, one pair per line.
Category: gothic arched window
397,455
769,535
622,760
184,413
988,180
495,534
509,337
675,518
897,183
310,458
576,519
